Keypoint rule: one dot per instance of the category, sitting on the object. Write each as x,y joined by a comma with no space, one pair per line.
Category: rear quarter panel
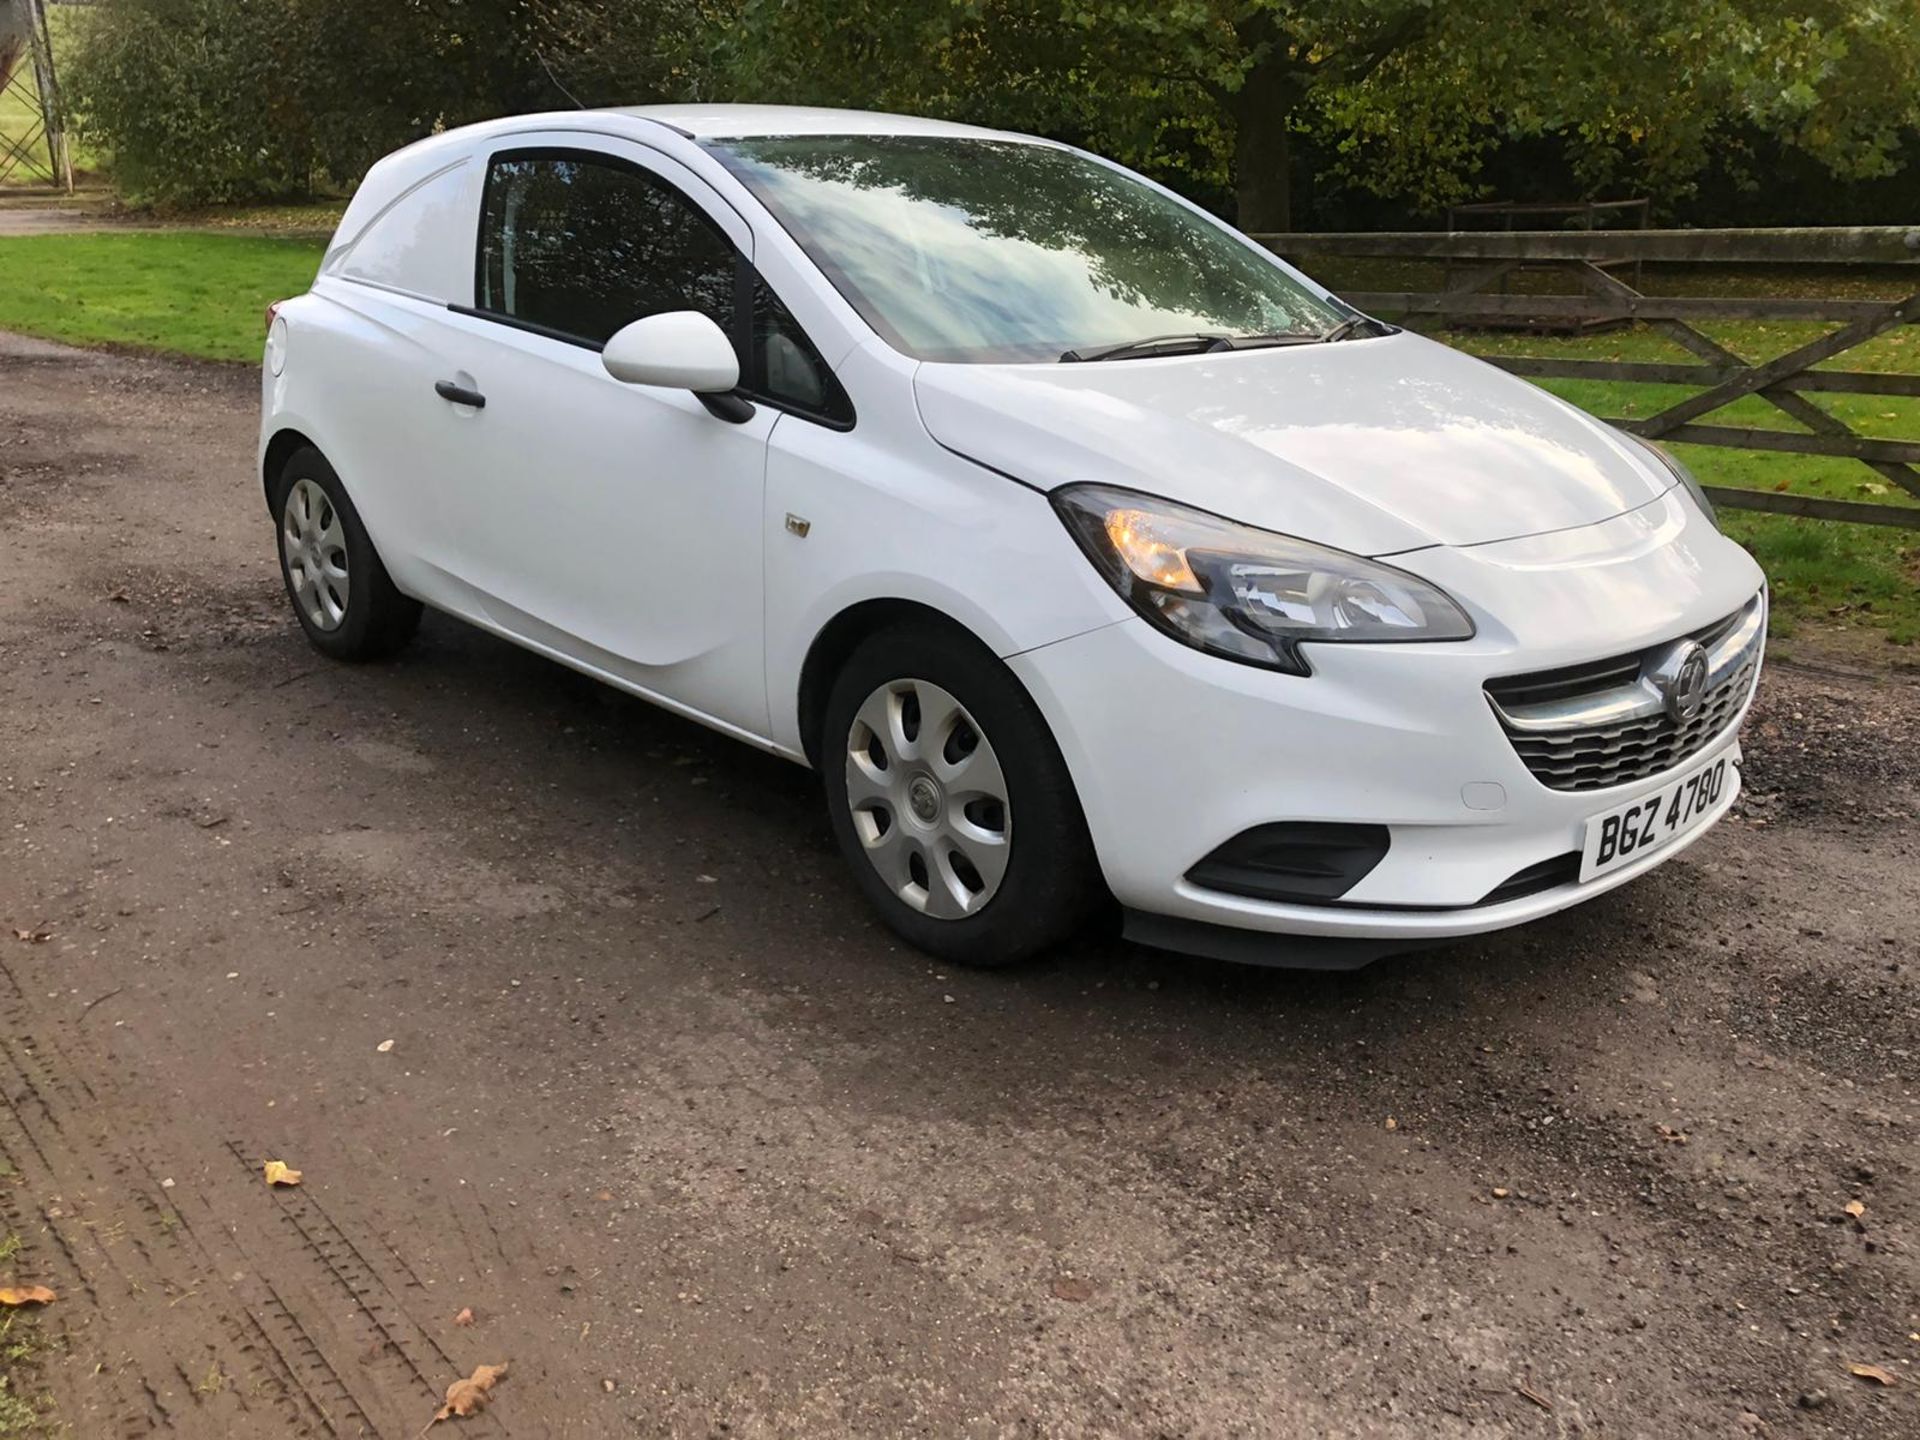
357,384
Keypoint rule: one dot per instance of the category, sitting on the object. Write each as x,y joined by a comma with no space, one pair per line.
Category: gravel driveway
703,1151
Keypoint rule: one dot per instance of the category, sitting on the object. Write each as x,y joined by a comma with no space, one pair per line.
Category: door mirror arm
727,405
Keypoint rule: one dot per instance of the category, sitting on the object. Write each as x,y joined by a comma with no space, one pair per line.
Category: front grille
1565,684
1591,726
1633,749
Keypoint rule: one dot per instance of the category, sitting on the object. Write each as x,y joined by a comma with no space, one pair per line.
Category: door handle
460,395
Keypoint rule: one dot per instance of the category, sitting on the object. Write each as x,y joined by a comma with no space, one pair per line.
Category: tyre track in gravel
163,1273
210,1309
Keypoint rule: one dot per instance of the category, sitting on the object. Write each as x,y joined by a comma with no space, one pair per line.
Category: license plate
1618,836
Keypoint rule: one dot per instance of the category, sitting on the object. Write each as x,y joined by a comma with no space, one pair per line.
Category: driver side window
581,245
578,245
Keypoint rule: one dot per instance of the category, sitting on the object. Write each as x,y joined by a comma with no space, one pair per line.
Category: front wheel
342,594
951,802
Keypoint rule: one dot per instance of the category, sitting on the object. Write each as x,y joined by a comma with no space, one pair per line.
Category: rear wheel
951,802
341,593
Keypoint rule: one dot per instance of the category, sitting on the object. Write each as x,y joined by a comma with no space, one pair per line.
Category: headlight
1247,594
1684,476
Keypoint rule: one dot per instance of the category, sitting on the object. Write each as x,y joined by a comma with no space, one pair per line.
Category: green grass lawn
180,290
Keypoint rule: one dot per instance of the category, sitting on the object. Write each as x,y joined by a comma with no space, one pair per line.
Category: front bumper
1174,752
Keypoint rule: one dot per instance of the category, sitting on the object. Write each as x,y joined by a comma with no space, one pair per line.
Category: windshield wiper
1199,342
1346,327
1196,343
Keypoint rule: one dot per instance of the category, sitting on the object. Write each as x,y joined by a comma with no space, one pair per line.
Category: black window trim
746,274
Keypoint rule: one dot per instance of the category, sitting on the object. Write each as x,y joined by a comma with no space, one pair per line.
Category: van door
618,526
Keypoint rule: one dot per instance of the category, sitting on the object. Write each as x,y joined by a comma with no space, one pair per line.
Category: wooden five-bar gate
1478,261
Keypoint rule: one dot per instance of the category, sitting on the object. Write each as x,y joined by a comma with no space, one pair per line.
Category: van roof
739,122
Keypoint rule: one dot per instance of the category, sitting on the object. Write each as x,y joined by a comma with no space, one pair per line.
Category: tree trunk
1262,112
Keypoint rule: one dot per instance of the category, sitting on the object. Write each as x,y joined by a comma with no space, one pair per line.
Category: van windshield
976,249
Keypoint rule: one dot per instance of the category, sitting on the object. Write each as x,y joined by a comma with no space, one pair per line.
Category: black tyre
950,800
342,594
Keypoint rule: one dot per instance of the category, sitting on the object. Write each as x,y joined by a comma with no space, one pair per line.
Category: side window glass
784,366
584,246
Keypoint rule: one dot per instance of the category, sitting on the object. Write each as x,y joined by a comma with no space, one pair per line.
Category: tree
193,96
219,100
1408,95
389,71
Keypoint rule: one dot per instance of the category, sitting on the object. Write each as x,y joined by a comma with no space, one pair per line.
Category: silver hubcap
315,545
929,800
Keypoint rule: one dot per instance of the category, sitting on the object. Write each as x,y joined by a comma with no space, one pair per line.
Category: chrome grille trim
1605,723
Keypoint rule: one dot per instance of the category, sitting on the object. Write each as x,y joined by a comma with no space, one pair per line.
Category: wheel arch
836,642
285,444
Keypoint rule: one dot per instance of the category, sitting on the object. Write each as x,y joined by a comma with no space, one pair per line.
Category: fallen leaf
465,1317
33,937
279,1173
1072,1287
1500,1192
1875,1374
469,1396
26,1295
384,1046
1856,1209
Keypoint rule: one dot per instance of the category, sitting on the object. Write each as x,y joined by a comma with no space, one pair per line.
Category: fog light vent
1303,861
